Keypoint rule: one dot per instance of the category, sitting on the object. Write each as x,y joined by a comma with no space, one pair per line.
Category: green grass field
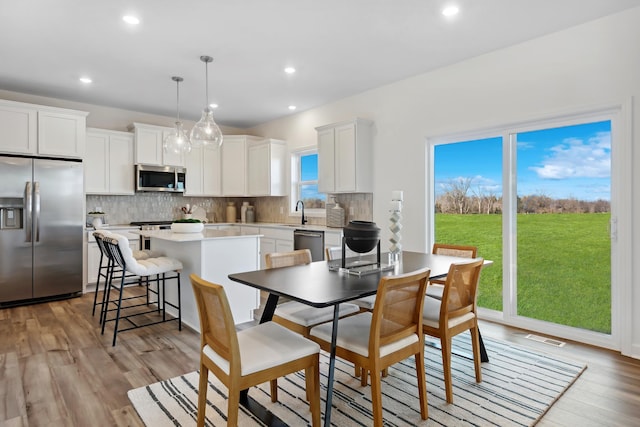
564,264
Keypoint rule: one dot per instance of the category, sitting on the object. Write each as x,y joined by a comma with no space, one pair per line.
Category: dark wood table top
316,285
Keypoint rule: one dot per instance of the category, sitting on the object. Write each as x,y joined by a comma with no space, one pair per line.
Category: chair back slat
398,309
217,328
460,288
455,250
288,259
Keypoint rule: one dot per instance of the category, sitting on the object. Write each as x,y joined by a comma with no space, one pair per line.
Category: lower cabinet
274,240
93,252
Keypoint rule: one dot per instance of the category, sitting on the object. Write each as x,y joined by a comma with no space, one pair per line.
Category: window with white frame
304,182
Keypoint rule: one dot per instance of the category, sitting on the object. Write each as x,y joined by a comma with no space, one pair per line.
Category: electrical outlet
281,210
351,210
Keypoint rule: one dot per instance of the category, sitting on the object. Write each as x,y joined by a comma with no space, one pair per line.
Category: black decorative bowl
361,236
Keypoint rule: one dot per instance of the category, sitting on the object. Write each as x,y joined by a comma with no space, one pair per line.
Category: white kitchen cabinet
345,157
61,133
40,130
266,174
18,128
149,148
109,167
234,164
203,172
274,240
93,251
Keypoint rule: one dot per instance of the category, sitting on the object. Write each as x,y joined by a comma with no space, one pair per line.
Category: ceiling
339,48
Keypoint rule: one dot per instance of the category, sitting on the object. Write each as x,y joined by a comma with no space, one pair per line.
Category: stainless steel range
145,242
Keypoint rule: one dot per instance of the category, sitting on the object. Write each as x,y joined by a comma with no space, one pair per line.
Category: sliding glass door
537,201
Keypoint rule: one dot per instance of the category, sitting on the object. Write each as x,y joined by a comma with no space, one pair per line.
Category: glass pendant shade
206,132
177,141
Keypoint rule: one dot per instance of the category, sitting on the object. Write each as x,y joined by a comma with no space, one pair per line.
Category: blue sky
571,161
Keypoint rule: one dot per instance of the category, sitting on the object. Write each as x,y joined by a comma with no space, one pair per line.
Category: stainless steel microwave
160,178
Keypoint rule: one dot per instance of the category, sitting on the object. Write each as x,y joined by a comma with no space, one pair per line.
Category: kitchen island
212,255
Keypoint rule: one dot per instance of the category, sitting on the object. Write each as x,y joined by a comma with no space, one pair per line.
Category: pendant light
206,132
177,141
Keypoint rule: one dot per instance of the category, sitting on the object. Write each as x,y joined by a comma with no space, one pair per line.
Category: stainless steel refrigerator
41,229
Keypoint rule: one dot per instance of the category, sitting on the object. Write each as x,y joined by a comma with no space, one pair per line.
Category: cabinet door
233,166
93,262
193,163
345,158
211,185
258,170
121,169
18,129
267,246
61,134
284,245
96,173
326,161
148,146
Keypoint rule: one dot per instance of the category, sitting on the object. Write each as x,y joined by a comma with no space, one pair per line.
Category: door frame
620,115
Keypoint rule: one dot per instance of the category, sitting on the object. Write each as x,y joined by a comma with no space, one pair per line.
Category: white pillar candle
397,195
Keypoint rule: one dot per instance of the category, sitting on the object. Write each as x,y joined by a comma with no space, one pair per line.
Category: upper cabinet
266,161
40,130
149,146
345,157
234,164
203,172
109,167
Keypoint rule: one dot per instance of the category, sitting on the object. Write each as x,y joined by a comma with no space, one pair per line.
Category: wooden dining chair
455,313
436,286
391,333
364,304
252,356
295,315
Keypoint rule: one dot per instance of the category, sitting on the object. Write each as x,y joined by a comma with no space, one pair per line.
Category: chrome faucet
304,220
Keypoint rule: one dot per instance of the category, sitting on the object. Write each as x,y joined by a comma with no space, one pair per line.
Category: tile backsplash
166,206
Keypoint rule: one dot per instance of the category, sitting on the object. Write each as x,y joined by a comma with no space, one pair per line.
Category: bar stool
104,266
151,270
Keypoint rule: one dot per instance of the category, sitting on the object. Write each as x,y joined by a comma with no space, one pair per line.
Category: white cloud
576,158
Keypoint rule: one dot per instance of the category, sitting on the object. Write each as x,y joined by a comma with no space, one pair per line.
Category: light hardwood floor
57,370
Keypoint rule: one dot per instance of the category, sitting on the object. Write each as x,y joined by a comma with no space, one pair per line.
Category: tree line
461,197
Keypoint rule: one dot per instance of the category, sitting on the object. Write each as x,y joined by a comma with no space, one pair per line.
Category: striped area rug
519,385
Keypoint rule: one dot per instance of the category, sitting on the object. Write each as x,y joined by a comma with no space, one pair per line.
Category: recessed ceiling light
213,105
450,10
292,107
289,70
130,19
85,80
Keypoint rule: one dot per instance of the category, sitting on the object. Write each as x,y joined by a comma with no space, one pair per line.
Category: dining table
324,284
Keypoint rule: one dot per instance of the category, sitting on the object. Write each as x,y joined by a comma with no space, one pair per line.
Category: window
304,182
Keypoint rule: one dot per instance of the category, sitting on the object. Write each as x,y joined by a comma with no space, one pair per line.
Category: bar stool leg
179,304
115,327
95,296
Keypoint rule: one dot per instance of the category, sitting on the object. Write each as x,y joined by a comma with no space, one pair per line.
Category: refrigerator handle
28,210
36,209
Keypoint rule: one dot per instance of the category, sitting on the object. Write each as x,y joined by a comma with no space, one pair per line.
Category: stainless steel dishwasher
312,240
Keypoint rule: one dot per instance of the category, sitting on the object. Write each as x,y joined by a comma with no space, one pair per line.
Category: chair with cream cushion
392,333
295,315
249,357
366,303
150,270
436,286
453,314
104,267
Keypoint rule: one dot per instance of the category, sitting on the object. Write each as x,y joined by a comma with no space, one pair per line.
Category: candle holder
395,226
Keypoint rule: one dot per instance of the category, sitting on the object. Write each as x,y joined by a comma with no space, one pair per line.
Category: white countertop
248,224
206,234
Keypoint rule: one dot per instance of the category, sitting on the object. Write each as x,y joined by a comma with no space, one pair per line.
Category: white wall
593,64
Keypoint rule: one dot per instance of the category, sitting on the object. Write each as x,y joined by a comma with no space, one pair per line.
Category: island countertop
206,234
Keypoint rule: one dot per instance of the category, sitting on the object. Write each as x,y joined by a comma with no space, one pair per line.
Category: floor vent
545,340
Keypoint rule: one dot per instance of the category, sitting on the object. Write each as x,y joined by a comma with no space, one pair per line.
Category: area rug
519,385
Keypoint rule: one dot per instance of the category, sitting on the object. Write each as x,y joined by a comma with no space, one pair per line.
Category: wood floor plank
56,369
